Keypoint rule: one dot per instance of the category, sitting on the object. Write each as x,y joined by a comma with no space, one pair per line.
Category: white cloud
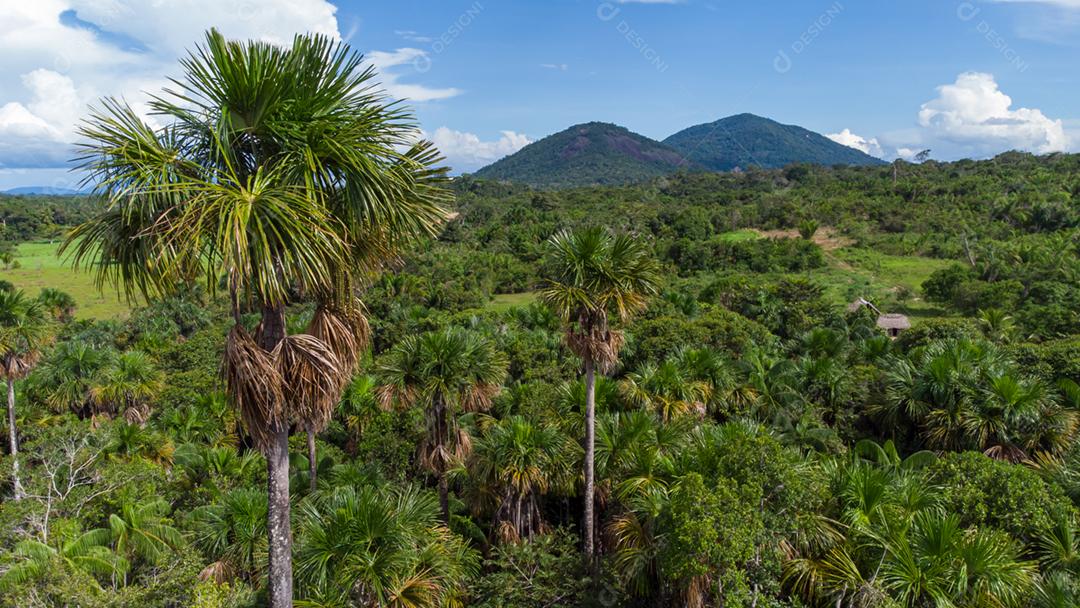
971,118
387,62
413,36
466,152
975,114
847,138
57,57
562,67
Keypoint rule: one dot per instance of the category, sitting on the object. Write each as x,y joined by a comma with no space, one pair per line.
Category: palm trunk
440,434
13,439
279,533
444,497
590,440
312,468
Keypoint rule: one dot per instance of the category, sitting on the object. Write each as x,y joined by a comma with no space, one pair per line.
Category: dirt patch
827,238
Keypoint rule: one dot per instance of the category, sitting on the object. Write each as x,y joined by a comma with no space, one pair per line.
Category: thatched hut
893,323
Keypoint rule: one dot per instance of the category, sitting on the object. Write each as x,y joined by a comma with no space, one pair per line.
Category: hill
41,190
744,140
594,153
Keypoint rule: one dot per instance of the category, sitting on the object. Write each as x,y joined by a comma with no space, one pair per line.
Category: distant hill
41,190
745,139
594,153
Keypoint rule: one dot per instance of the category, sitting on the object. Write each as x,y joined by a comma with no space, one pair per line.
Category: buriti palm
280,172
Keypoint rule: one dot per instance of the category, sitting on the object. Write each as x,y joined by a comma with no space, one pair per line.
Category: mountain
745,139
41,190
594,153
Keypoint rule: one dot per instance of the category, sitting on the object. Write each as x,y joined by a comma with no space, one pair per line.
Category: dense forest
663,394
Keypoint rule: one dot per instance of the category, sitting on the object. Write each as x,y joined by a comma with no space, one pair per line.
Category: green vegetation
744,141
38,266
594,153
645,395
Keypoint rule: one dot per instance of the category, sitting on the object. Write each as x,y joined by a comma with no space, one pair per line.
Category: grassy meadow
40,266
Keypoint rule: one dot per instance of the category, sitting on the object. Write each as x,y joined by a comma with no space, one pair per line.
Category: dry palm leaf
345,333
254,385
601,345
311,379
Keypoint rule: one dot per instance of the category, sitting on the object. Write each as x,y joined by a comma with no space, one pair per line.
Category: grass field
506,301
39,267
852,272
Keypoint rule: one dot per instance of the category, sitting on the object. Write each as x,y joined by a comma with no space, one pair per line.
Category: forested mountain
599,153
594,153
746,140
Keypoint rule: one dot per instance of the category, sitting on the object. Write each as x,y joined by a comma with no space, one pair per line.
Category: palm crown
595,275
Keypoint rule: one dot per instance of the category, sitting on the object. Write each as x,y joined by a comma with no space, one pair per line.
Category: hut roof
893,321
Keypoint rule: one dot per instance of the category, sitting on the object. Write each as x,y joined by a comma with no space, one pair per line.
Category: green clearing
740,235
506,301
40,267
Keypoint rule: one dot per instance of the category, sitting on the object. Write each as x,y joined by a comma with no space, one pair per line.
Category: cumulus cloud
58,57
866,145
389,64
466,152
975,114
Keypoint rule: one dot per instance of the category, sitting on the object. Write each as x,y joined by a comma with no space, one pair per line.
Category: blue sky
965,78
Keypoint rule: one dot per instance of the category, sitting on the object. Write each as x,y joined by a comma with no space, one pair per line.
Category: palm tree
141,531
86,552
593,277
23,333
280,170
667,390
359,404
448,371
371,546
60,304
232,532
516,463
69,375
127,385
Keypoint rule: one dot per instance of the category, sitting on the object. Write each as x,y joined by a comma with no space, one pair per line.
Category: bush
1009,497
546,571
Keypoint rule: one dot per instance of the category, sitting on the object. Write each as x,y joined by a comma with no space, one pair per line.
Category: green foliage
1008,497
593,153
545,571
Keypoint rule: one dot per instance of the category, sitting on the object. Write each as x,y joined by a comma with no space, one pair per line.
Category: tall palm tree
278,171
449,371
594,278
23,333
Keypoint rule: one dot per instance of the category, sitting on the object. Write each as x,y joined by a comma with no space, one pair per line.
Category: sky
966,79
